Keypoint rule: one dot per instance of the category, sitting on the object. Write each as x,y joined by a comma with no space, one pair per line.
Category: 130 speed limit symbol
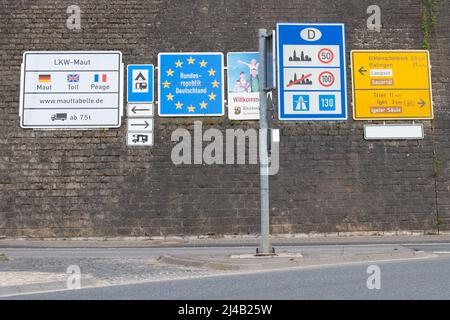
326,79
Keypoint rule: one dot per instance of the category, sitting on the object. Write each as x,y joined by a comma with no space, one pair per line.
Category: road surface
413,279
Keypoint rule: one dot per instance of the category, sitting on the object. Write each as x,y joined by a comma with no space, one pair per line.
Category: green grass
429,21
440,223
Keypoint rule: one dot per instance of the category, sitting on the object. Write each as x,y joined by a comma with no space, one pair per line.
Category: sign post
265,247
71,90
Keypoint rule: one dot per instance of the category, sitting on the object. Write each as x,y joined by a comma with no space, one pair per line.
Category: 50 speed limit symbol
326,79
326,55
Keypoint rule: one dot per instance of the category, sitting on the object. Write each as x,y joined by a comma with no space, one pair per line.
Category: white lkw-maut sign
71,90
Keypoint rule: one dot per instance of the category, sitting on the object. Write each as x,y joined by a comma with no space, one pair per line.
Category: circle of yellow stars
191,61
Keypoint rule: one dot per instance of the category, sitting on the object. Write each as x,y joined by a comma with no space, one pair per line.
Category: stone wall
89,183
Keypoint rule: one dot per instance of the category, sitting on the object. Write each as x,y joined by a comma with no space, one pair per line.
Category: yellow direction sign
391,85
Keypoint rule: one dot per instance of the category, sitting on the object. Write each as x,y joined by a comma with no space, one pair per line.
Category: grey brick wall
88,183
441,132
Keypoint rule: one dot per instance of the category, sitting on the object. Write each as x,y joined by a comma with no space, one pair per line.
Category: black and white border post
265,247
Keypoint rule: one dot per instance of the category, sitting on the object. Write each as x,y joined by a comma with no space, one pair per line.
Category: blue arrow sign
312,80
191,84
140,83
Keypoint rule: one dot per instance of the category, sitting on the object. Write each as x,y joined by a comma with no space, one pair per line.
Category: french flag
103,78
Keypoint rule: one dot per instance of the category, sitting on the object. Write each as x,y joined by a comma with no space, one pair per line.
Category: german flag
45,78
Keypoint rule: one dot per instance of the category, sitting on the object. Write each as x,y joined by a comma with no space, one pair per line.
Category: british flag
73,78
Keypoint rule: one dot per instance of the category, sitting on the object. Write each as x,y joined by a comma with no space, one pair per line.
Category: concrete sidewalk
296,257
231,241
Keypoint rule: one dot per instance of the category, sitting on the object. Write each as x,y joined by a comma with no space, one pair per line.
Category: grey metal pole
265,245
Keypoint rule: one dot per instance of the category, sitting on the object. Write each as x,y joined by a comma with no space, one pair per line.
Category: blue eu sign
191,84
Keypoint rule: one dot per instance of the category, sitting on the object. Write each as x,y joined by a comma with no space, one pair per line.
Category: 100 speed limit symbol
326,79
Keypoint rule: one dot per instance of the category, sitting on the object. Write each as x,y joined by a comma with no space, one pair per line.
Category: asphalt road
417,279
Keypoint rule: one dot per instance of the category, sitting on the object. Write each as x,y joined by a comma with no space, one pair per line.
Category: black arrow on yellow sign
362,71
422,103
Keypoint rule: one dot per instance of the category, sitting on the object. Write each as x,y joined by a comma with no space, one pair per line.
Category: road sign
137,139
243,85
391,85
394,132
142,124
71,90
311,71
190,84
140,83
140,110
